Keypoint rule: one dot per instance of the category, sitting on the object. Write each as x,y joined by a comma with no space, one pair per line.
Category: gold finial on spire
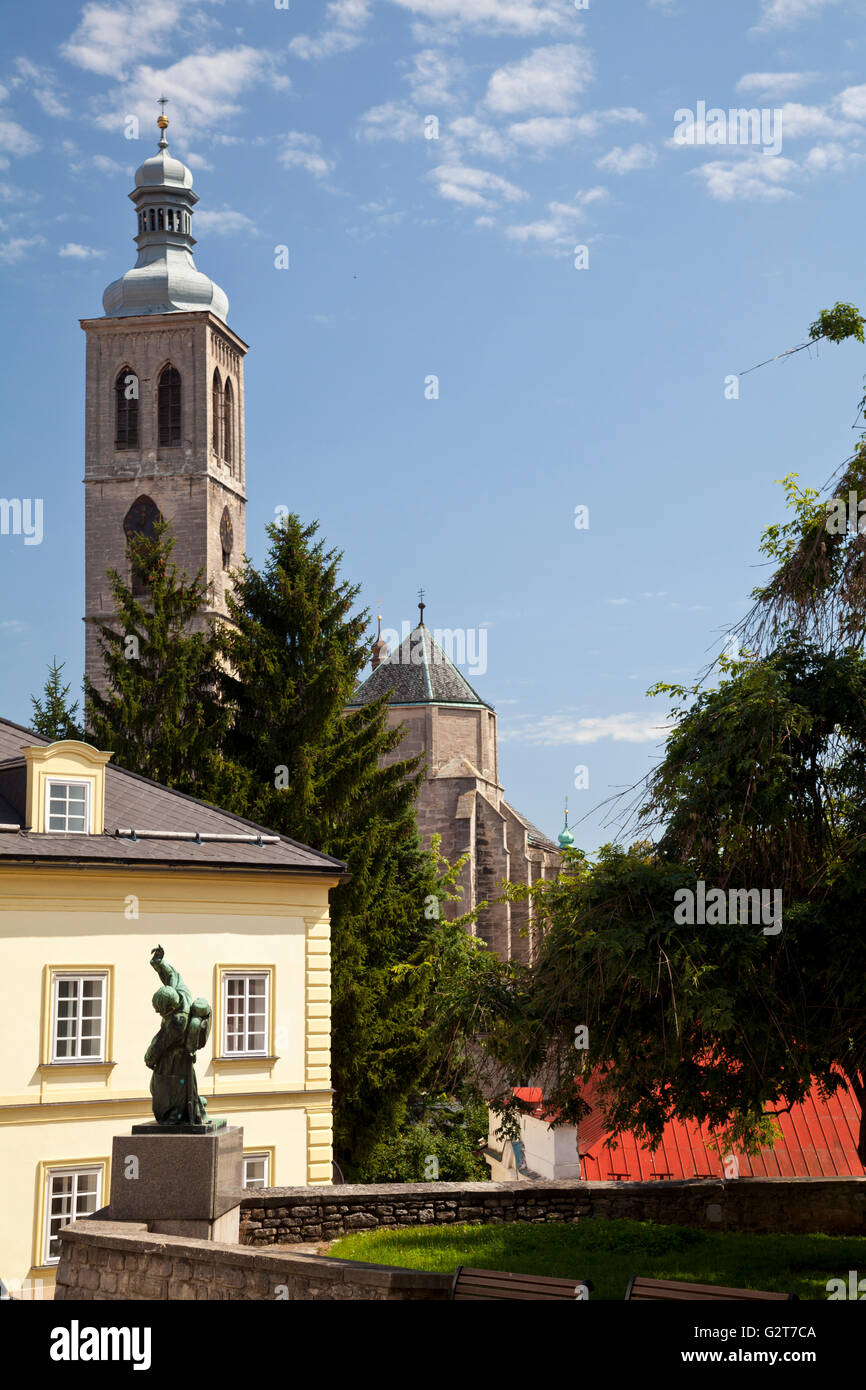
162,118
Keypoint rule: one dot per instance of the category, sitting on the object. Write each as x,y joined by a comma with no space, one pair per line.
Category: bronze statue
185,1029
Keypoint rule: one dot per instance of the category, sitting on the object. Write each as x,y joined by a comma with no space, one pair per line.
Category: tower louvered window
168,407
228,426
126,409
217,412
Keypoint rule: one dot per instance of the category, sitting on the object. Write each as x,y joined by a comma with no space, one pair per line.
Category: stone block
180,1177
181,1290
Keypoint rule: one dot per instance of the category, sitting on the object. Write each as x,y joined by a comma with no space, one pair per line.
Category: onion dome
164,279
565,837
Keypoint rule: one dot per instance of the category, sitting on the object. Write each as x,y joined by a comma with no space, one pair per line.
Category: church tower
164,433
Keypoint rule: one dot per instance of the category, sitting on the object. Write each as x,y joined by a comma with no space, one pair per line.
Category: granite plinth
157,1177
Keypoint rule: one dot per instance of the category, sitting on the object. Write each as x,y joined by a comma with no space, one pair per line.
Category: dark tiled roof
536,837
136,802
417,673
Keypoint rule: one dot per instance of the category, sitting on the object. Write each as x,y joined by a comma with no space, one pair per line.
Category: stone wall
289,1215
110,1260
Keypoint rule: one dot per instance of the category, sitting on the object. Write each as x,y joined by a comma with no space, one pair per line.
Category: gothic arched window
229,426
126,409
141,520
226,537
217,412
168,407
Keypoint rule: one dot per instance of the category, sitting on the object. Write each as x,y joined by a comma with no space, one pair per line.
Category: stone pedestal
180,1184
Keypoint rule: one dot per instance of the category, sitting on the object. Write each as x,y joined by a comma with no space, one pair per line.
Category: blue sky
454,257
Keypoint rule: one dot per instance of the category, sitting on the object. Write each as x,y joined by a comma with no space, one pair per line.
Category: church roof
418,672
135,801
536,837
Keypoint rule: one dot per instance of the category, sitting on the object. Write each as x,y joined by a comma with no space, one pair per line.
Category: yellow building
98,866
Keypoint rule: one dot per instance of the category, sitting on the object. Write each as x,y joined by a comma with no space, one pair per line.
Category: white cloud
304,152
829,158
43,84
476,137
784,14
393,120
76,252
852,103
547,79
16,140
559,226
760,178
111,39
202,88
432,76
16,247
196,161
626,161
474,187
775,85
556,730
345,21
540,134
102,162
223,222
799,121
524,17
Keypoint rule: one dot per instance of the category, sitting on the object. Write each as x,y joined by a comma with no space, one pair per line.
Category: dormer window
65,788
67,809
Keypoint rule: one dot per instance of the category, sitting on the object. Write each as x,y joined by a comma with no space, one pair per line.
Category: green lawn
609,1252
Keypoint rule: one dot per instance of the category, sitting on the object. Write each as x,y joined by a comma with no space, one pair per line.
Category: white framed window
78,1017
67,807
69,1194
245,1013
257,1170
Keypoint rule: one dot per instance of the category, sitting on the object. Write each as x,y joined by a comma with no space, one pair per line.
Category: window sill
83,1063
244,1057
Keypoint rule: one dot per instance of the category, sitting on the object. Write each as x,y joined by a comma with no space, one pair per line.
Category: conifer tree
53,716
161,713
294,650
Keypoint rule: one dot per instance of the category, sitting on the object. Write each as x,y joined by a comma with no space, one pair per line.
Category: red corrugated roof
818,1140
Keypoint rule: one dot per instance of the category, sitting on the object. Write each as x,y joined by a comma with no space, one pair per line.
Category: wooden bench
494,1283
654,1289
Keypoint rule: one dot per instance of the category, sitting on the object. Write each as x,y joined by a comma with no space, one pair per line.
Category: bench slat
645,1290
488,1284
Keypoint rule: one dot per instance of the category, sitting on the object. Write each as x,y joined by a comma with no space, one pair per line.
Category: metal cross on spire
163,102
421,606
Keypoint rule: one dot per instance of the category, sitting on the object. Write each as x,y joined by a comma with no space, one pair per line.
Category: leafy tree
53,716
818,585
441,1143
161,711
762,786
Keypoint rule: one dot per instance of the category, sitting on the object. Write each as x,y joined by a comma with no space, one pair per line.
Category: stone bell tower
164,435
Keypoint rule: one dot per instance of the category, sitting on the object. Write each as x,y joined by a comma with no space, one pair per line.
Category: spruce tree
294,650
161,713
53,716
